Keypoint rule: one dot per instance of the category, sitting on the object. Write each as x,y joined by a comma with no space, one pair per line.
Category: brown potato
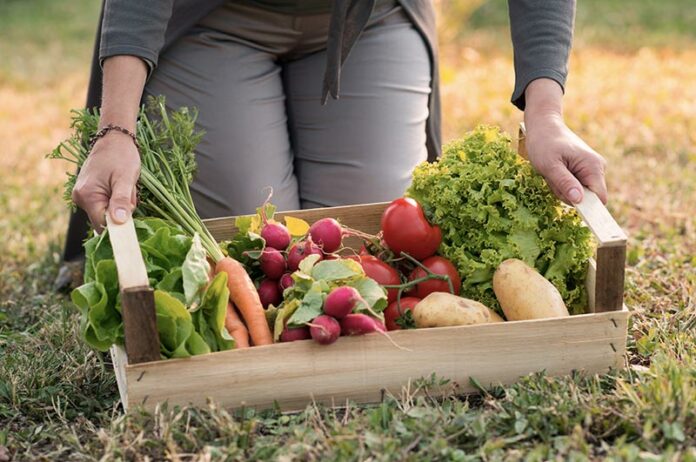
495,317
440,309
523,293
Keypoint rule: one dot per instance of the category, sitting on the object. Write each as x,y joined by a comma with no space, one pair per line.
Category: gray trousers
256,77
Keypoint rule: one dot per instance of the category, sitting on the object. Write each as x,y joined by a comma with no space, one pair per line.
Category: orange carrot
244,296
236,327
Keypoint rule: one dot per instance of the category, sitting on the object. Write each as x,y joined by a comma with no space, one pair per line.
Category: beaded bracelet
101,133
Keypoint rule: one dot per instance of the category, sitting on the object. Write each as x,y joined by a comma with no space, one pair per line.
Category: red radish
276,235
291,334
359,324
341,301
327,233
324,329
286,281
269,293
272,263
301,250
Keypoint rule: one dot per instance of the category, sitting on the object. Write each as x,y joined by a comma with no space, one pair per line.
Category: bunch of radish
337,319
281,257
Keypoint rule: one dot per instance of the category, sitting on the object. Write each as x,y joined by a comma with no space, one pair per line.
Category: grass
633,103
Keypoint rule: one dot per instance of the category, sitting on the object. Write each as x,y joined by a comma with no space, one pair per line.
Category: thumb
120,203
564,184
595,182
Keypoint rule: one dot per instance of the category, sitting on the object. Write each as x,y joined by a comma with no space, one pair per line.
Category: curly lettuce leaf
491,205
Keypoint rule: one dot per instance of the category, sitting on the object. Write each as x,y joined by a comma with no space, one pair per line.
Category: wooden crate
362,369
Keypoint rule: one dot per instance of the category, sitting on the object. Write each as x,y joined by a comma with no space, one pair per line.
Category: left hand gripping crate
361,369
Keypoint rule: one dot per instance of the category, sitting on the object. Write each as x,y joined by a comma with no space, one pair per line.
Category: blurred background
631,94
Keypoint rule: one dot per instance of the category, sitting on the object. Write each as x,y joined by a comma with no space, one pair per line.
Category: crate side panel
359,368
120,360
364,217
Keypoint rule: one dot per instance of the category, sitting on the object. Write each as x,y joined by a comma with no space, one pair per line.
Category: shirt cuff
521,84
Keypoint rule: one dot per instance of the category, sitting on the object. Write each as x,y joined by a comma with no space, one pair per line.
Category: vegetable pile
190,310
492,206
166,142
307,289
479,223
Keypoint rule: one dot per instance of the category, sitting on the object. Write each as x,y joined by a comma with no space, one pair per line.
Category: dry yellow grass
32,121
637,109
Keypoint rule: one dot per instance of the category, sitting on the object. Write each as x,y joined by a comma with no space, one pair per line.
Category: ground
631,94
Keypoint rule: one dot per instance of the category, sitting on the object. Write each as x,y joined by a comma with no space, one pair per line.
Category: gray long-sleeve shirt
541,31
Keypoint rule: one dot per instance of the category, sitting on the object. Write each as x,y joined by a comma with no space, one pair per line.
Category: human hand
556,152
107,180
564,160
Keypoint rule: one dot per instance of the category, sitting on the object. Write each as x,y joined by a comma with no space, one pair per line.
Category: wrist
126,121
123,83
544,100
111,129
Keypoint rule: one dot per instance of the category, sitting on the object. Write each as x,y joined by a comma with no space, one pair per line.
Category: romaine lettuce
190,312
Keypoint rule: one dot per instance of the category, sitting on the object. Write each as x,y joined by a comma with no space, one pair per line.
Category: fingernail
121,215
574,195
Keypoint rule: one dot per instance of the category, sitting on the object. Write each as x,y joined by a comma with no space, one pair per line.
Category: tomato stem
429,275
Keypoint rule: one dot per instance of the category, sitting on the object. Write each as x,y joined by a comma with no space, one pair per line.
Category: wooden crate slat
609,279
358,368
364,217
600,221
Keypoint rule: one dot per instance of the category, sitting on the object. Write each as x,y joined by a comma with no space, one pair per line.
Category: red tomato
392,313
382,273
405,229
438,265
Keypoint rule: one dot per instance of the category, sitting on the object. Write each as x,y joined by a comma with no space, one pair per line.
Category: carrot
236,327
243,294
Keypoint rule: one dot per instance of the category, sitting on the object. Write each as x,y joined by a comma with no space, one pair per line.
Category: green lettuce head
491,205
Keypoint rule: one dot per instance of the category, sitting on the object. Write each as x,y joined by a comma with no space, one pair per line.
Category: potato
440,309
495,317
523,293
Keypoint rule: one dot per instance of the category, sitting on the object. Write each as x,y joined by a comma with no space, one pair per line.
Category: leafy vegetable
195,270
209,318
166,144
178,339
177,268
491,206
